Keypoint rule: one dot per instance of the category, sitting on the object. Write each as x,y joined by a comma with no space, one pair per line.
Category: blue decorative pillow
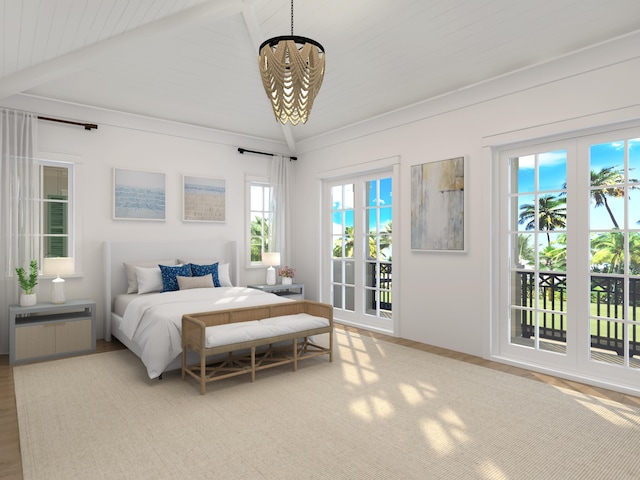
202,270
169,274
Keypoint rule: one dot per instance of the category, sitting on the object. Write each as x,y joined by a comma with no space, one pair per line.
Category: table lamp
58,266
271,259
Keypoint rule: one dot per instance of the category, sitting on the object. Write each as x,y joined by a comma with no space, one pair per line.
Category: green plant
27,283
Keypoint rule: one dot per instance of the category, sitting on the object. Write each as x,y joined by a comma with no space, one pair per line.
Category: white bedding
121,301
154,321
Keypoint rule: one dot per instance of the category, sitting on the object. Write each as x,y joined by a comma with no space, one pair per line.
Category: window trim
578,142
262,182
72,227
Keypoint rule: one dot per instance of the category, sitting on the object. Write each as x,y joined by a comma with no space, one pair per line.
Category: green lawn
556,320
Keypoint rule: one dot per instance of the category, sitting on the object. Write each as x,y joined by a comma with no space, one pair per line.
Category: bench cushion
232,333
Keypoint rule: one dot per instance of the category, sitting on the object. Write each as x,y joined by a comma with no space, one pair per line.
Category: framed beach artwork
438,206
204,199
138,195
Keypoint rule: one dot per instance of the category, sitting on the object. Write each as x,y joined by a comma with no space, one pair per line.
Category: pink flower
287,271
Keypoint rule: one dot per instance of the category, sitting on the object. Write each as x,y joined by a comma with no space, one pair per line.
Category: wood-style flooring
11,462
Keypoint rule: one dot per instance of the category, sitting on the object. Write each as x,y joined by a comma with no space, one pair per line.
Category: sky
379,194
553,175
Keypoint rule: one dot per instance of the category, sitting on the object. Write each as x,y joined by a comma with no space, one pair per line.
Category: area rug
379,411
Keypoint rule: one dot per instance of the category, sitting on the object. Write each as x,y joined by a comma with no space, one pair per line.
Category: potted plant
287,273
27,284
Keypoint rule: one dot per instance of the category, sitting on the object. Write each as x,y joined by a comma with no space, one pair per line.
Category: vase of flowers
27,284
287,273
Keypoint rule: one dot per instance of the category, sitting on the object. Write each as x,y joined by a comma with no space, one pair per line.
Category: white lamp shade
57,266
271,259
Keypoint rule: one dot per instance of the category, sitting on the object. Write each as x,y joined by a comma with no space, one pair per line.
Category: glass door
569,257
361,269
538,245
614,246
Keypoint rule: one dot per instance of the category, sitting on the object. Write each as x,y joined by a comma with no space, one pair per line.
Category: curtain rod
87,126
243,150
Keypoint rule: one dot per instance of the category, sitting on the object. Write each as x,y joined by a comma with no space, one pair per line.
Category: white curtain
281,181
19,207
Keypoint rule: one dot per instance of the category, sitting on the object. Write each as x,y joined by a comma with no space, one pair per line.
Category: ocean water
139,202
203,189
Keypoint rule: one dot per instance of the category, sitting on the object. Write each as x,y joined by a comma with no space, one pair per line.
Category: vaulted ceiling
195,61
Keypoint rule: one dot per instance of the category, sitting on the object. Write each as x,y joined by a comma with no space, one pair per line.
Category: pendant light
292,69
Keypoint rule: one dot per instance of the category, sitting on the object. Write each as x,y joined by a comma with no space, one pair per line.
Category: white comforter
154,321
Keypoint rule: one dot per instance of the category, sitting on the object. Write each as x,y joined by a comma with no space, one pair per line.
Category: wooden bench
238,330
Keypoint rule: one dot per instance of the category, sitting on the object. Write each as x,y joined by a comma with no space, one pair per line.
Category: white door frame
391,168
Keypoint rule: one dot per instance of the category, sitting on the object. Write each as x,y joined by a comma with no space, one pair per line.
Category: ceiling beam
257,37
78,60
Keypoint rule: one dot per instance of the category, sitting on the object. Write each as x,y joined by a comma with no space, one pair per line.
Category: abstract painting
138,195
438,205
203,199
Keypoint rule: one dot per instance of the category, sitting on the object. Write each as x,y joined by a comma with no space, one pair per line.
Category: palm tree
608,249
555,256
552,214
606,178
348,244
385,240
526,252
259,234
634,253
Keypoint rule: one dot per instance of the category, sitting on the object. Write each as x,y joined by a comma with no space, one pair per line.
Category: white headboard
116,253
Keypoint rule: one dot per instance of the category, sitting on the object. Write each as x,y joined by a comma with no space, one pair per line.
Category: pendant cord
292,18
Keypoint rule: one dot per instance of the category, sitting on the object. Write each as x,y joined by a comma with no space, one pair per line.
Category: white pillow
149,279
185,283
223,275
198,261
132,277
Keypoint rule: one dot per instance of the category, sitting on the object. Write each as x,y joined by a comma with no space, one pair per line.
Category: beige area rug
379,411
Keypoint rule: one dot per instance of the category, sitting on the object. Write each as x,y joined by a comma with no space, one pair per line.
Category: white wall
131,142
443,299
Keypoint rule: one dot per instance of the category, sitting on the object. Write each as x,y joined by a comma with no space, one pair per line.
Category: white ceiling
195,61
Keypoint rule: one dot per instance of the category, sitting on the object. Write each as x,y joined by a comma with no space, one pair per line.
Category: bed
148,322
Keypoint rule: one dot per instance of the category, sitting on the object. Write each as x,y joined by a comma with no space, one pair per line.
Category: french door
569,296
358,250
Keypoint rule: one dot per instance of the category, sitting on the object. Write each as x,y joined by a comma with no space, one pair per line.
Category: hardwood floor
11,462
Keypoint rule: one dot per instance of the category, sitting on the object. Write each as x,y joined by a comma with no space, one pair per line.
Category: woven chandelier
292,69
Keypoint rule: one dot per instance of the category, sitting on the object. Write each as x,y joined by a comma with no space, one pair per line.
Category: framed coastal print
204,199
138,195
438,206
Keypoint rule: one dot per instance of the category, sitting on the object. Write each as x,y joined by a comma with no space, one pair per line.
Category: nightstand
294,291
48,330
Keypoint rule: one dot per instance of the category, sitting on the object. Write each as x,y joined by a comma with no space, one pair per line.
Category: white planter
287,280
27,299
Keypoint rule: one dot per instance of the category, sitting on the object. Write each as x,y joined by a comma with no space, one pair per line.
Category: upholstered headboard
116,253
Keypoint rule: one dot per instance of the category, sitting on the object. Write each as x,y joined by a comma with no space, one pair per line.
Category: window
614,249
569,262
538,236
56,181
260,218
360,242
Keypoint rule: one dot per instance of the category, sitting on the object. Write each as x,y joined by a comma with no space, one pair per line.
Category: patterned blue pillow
169,274
202,270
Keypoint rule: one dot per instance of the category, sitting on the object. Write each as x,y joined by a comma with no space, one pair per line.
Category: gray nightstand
294,291
48,330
